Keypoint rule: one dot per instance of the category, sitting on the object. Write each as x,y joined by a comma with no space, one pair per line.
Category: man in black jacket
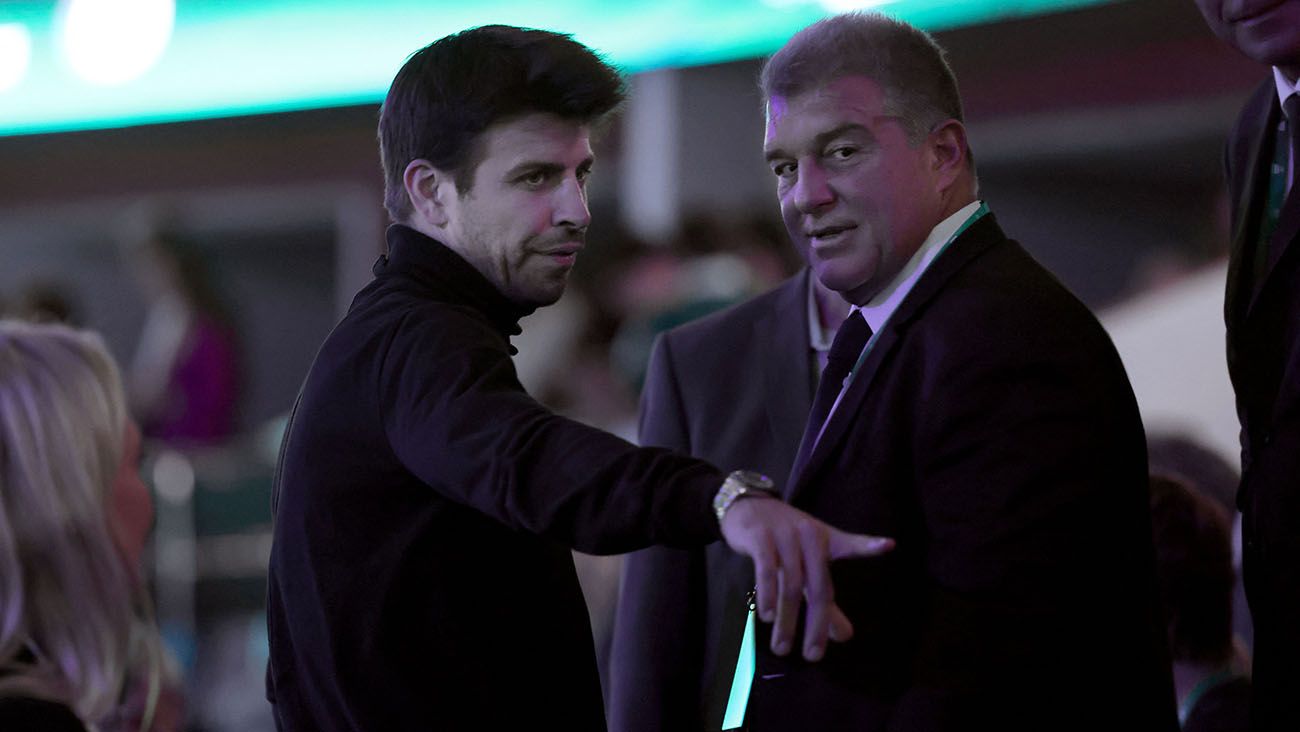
1262,310
425,504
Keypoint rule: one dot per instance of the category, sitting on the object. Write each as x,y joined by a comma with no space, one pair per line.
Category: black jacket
25,714
991,431
420,575
1263,319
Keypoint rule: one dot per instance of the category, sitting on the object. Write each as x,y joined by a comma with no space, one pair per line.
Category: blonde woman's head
73,514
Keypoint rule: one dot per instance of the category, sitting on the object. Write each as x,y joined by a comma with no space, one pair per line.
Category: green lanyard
738,700
970,220
1276,196
1221,676
742,682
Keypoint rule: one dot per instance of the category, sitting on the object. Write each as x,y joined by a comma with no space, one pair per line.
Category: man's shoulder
386,307
387,330
725,324
1003,297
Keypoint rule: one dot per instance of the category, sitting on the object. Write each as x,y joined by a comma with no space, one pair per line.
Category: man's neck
962,196
831,308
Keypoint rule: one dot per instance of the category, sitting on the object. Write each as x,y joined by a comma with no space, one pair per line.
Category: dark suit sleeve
457,417
658,630
1032,485
21,714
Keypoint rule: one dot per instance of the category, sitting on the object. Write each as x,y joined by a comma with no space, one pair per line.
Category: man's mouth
1248,9
565,254
825,235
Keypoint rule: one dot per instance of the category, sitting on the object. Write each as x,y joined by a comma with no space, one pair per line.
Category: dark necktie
849,341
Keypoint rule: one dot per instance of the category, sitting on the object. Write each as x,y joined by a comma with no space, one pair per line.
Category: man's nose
812,190
571,205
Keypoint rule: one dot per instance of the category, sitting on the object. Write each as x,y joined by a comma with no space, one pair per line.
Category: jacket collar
965,249
445,276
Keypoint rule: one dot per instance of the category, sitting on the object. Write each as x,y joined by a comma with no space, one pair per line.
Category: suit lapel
1284,236
975,240
845,413
1241,290
783,336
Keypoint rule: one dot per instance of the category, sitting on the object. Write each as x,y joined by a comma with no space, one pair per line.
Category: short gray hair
905,61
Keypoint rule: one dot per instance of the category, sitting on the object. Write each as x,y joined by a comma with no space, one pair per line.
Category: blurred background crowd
214,255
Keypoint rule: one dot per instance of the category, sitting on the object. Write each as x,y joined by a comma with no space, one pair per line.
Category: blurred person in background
1195,573
42,301
426,505
184,378
1262,311
1209,474
681,612
709,264
78,647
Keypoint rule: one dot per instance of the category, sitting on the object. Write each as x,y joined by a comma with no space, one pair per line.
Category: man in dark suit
977,412
1262,310
425,505
681,612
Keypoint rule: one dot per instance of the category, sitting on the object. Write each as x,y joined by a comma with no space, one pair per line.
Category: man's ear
948,145
428,188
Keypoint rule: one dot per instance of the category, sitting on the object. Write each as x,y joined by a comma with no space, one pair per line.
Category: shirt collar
818,337
883,305
1285,87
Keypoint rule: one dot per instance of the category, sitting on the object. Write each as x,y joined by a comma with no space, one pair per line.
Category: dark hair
905,61
449,92
1181,456
1194,570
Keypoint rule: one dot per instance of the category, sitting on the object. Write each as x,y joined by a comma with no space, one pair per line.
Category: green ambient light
78,64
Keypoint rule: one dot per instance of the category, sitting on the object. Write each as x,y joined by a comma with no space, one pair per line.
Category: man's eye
535,178
583,175
843,153
783,169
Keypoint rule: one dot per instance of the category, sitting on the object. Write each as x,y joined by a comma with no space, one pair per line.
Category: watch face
754,479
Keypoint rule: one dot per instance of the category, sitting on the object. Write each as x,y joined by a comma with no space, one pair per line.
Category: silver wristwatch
739,484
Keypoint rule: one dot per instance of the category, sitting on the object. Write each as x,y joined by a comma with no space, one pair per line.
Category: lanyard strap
970,220
1221,676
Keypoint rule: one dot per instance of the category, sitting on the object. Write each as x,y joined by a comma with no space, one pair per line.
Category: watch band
741,483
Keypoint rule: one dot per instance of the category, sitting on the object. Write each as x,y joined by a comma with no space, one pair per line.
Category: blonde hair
75,624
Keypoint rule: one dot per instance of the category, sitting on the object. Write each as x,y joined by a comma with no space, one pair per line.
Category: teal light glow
15,54
253,56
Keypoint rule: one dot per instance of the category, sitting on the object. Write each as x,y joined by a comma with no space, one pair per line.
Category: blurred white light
844,6
111,42
832,6
173,477
15,54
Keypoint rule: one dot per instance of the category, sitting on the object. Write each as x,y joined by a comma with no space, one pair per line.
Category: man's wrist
741,484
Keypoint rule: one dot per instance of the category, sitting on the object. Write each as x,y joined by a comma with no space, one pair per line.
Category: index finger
844,545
